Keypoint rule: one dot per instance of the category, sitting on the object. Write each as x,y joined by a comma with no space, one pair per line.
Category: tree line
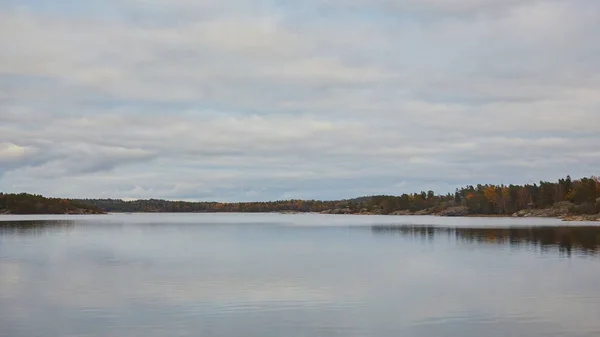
24,203
579,196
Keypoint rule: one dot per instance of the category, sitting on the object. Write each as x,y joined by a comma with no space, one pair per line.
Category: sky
240,100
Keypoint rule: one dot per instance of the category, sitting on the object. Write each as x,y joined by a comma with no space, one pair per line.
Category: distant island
567,198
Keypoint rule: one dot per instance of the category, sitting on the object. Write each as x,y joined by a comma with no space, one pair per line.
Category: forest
24,203
565,196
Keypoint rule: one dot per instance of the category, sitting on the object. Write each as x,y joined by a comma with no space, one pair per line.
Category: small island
573,200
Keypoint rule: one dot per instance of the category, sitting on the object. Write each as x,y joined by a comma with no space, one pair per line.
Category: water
275,275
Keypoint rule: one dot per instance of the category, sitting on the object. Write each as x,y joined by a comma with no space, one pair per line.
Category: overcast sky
257,100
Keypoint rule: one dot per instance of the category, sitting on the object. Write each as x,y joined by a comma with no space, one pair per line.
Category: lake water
272,275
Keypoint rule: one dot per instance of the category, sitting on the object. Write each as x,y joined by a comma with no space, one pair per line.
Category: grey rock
455,211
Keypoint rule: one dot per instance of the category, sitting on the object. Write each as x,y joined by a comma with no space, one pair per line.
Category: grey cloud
260,102
180,7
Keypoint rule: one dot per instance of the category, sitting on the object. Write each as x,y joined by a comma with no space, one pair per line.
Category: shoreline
564,217
567,217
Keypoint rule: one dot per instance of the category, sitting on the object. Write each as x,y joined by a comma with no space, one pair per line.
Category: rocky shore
586,217
561,211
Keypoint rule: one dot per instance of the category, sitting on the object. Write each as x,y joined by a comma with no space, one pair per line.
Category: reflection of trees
585,240
35,227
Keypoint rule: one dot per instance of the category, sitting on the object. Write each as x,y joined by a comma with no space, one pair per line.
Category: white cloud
10,153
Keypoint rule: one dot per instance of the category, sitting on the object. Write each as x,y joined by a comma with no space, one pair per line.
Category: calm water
297,275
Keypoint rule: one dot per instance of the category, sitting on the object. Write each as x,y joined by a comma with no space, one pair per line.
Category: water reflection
276,275
34,227
567,240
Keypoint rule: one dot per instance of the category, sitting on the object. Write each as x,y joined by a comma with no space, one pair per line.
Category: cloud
11,152
321,99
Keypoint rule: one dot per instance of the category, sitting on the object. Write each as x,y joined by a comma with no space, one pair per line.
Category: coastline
567,217
563,217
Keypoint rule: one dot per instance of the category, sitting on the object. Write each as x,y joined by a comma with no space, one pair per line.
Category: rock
337,211
522,213
558,210
585,217
455,211
402,212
